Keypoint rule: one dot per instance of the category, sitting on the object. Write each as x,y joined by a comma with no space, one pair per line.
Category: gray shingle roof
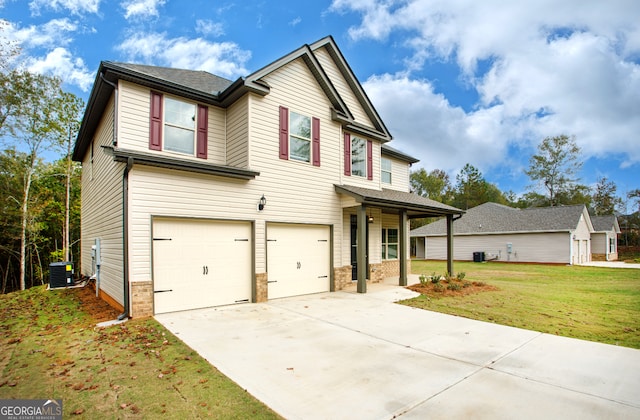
496,218
605,223
397,199
194,79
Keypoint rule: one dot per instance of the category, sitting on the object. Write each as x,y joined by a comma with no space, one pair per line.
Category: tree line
553,171
39,198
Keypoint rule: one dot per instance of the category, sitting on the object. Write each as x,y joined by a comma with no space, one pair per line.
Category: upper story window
385,165
178,126
358,157
299,137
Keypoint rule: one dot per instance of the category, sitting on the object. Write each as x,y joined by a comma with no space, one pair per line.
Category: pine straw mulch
452,288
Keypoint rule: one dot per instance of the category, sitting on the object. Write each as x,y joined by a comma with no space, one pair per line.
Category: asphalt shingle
497,218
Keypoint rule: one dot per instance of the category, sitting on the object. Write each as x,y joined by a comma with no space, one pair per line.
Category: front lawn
590,303
52,350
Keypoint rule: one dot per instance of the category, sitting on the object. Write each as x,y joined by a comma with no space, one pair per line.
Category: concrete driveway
344,355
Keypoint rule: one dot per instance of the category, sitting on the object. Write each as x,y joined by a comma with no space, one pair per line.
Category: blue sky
456,82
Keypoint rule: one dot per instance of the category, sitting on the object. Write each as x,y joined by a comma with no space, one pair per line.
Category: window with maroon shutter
284,133
155,124
201,142
369,160
316,141
347,154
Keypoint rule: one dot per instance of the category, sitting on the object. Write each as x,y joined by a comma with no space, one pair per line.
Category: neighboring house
604,239
199,191
559,234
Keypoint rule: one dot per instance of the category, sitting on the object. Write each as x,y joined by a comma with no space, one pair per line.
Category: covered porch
391,203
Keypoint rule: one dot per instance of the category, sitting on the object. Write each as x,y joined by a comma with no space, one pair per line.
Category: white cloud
61,63
221,58
75,7
539,68
141,8
56,32
43,50
208,27
442,135
295,21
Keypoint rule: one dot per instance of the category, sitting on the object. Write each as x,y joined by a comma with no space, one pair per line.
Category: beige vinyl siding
238,133
296,192
527,247
133,121
102,209
342,87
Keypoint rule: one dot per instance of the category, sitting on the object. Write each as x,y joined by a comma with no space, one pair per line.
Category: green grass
590,303
52,350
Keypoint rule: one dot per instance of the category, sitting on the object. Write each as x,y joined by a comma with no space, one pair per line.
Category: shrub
461,275
423,279
435,279
438,287
466,284
453,286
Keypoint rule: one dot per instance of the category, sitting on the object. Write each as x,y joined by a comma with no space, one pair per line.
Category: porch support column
361,257
402,252
450,244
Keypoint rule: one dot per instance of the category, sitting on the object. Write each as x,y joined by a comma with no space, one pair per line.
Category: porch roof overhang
395,201
160,161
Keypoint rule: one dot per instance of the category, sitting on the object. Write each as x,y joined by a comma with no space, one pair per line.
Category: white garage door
200,263
298,259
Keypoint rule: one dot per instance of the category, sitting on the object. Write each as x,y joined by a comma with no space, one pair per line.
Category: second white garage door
298,259
200,263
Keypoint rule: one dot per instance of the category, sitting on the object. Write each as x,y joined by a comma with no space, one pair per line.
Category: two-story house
199,191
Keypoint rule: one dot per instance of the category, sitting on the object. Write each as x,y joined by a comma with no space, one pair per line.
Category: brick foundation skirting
376,273
141,299
262,290
342,276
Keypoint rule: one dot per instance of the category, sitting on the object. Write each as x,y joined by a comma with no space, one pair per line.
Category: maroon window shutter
347,154
369,160
315,128
203,122
155,124
284,133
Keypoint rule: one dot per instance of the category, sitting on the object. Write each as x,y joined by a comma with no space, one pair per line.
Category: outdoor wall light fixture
262,203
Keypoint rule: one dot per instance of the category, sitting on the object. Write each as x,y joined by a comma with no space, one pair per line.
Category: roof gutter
125,241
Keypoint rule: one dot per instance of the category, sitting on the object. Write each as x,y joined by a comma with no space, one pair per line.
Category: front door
354,247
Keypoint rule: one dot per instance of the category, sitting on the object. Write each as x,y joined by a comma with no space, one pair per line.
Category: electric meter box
60,274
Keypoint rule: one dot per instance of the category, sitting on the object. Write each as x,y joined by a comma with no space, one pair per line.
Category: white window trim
364,147
383,171
193,129
309,140
386,243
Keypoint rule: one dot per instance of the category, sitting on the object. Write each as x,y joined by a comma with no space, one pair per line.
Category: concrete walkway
611,264
345,355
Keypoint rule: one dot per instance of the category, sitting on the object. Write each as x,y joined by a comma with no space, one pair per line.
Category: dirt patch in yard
452,288
93,306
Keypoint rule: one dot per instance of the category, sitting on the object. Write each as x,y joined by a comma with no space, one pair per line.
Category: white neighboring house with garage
604,239
557,235
199,191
